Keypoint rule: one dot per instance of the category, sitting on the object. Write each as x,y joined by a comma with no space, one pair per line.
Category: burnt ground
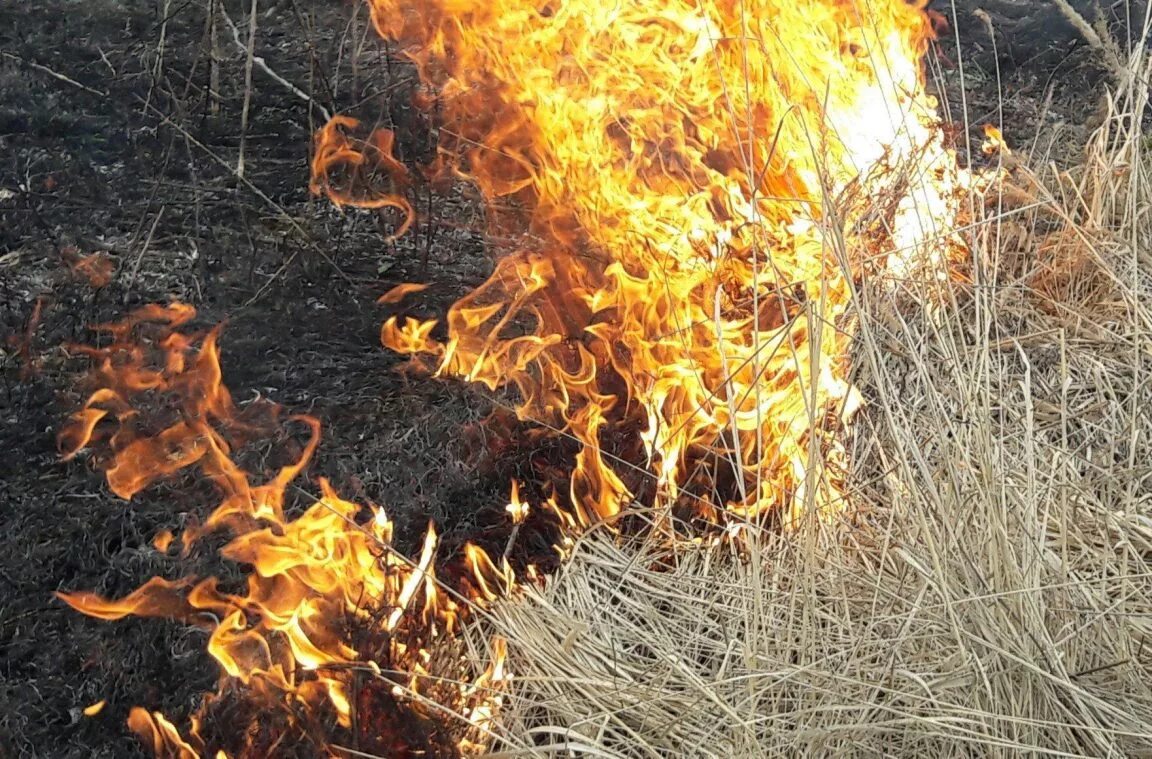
109,142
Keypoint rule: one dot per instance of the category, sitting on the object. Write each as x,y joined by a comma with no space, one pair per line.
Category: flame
694,189
516,508
162,540
163,736
994,141
93,709
317,580
400,292
336,152
96,268
23,344
690,180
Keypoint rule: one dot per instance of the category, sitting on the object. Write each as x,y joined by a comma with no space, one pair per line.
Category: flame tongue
695,184
679,164
329,603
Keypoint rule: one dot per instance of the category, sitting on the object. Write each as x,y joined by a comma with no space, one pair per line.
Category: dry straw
990,593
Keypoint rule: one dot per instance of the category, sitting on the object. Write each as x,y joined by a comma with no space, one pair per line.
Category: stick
247,87
161,47
260,63
215,55
140,256
56,74
283,214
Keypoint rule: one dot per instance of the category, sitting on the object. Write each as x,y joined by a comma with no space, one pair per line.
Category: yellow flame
684,171
93,709
693,187
517,509
316,578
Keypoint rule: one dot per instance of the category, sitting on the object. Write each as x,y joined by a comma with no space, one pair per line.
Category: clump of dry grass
992,592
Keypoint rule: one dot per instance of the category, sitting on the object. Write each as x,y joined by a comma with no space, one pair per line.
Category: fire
993,141
695,188
96,269
93,709
316,577
690,181
516,508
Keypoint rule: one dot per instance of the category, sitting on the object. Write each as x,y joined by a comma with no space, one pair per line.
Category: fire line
696,185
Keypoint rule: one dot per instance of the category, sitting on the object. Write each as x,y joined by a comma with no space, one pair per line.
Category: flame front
328,603
695,186
688,179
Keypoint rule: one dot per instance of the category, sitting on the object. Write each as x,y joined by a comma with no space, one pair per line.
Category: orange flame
696,186
23,344
96,268
400,292
336,152
692,177
316,577
162,540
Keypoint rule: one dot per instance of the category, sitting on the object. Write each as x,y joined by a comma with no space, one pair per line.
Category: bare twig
280,212
164,9
55,74
251,54
215,55
128,285
261,64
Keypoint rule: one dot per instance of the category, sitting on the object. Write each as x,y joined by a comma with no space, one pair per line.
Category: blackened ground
127,158
109,142
1023,66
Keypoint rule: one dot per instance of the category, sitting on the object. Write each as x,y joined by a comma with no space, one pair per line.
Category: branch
56,74
263,66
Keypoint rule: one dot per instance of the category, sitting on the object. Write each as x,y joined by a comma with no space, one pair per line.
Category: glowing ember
696,185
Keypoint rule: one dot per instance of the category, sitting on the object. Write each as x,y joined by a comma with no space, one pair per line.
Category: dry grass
990,594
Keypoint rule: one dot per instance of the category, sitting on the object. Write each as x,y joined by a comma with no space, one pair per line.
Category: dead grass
991,592
933,623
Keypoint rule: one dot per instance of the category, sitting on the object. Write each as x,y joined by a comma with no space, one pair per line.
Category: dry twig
261,64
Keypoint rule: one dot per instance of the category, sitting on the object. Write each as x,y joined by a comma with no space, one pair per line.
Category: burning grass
990,591
697,303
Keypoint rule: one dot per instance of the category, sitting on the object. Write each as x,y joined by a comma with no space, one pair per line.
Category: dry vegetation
990,590
988,593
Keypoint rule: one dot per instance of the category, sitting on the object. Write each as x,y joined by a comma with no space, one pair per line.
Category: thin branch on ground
55,74
261,64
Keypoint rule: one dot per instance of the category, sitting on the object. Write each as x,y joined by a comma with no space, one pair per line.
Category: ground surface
108,143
